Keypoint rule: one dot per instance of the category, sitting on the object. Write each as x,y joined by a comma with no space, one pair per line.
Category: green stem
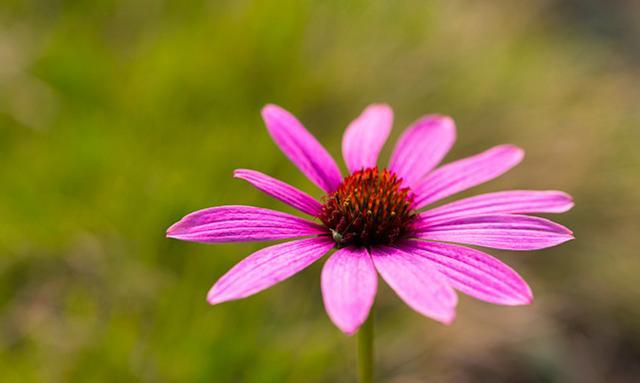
365,350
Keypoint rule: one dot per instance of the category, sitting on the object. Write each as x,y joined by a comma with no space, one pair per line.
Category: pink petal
474,273
236,223
280,190
349,283
422,146
302,148
466,173
513,201
365,136
499,231
266,267
417,282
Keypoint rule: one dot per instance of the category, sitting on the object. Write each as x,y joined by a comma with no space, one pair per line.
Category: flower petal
235,223
422,146
266,267
302,148
505,202
466,173
280,190
474,273
349,284
499,231
417,282
365,136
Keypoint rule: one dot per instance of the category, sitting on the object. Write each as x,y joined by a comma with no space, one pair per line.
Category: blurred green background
118,117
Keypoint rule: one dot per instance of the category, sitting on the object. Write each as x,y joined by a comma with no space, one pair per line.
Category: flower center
370,207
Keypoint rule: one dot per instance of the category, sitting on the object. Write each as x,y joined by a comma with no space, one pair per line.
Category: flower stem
365,350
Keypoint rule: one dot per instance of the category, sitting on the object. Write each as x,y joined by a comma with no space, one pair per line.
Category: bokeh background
118,117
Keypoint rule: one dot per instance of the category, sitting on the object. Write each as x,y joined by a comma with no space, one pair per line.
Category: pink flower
374,220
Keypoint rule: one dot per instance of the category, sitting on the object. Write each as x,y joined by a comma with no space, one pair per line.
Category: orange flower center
369,207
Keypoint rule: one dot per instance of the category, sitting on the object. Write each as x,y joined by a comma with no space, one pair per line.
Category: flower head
377,221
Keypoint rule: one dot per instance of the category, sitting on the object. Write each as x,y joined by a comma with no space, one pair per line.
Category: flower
375,221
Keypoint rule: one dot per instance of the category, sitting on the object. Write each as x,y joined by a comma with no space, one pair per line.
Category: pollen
369,207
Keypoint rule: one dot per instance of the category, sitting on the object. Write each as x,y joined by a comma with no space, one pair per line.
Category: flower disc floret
369,207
